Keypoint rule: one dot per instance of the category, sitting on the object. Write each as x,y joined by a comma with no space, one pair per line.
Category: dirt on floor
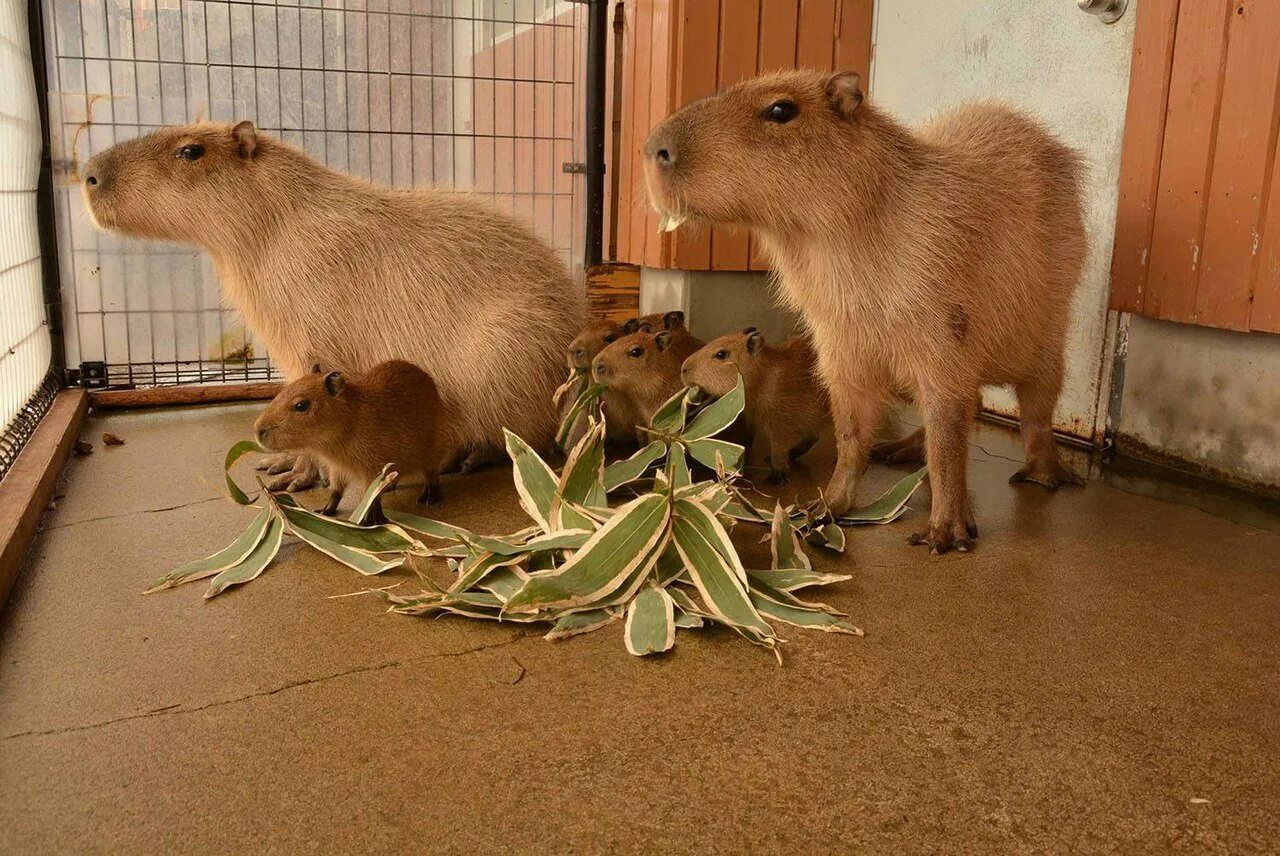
1100,675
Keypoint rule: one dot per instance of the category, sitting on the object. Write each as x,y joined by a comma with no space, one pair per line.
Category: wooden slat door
1198,223
677,51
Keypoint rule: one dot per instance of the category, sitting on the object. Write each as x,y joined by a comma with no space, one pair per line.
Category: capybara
329,268
655,321
786,407
391,414
591,341
640,371
931,261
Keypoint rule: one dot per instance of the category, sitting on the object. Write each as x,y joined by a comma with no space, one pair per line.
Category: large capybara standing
930,261
330,269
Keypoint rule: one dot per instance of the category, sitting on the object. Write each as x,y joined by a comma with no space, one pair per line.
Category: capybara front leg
1036,401
907,450
948,419
856,413
431,493
304,476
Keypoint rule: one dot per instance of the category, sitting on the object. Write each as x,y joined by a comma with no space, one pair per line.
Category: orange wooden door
677,51
1198,223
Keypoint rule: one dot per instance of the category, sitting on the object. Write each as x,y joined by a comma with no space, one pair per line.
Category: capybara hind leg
948,420
906,450
375,515
304,476
856,413
431,493
331,507
1035,407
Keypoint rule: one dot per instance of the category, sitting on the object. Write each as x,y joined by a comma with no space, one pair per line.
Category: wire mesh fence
482,96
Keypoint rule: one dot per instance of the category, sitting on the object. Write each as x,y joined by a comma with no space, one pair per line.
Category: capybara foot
777,477
1051,474
431,494
907,450
276,464
840,496
304,476
479,458
948,535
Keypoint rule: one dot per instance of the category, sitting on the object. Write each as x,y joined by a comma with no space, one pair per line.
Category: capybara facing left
933,260
329,268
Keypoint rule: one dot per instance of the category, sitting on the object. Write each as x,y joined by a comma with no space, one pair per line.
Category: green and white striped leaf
233,554
792,579
235,453
784,544
718,415
503,583
889,505
678,469
427,526
588,398
651,622
670,417
688,620
376,488
565,539
535,482
828,535
604,563
253,564
577,623
791,610
573,385
366,563
713,531
581,481
724,594
720,455
623,472
385,538
479,566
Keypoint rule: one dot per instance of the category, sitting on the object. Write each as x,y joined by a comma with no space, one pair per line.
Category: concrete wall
717,302
1210,398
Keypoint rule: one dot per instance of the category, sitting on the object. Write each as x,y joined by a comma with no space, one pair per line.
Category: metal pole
44,194
597,44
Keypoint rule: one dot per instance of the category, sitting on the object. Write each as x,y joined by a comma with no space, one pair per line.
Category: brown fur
641,371
786,408
329,268
591,341
933,261
390,414
655,321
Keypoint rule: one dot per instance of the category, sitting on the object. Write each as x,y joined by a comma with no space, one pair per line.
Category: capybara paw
944,537
1051,475
777,477
296,480
430,495
840,498
275,464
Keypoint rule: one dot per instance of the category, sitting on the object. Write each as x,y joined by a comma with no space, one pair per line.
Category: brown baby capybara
391,414
591,341
935,260
325,267
640,371
786,406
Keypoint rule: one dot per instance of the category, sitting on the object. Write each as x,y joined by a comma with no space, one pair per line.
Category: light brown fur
641,371
786,406
591,341
932,261
391,414
329,268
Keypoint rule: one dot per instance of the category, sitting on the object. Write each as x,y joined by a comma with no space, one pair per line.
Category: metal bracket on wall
90,375
1108,11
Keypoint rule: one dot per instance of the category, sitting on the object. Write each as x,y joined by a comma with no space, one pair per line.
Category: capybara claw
1052,475
944,538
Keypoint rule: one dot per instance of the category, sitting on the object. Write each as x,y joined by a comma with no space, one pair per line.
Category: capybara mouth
696,394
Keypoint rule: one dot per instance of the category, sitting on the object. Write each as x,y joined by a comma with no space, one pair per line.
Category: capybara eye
781,111
302,406
635,351
190,152
609,338
721,354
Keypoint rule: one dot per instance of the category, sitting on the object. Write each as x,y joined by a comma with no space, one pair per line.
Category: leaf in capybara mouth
670,222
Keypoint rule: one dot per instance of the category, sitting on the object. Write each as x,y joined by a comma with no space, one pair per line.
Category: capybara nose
579,353
600,370
661,148
262,436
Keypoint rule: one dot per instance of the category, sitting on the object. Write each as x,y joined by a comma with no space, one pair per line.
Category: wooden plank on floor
1249,117
27,489
169,396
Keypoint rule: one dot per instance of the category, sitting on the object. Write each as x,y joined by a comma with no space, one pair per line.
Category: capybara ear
334,383
755,341
747,331
631,325
662,340
315,368
246,138
673,319
845,93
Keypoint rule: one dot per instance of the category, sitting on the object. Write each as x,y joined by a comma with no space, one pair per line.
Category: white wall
1065,66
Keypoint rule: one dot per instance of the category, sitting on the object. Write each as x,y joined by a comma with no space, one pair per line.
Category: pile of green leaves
660,559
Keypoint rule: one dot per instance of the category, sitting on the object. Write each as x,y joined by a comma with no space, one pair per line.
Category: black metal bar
45,219
597,44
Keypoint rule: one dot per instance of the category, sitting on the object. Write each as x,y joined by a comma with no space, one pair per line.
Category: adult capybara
391,414
328,268
933,260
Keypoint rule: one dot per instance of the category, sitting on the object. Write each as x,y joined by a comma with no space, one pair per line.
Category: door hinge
90,375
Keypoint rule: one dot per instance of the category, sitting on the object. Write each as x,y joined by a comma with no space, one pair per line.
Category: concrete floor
1100,675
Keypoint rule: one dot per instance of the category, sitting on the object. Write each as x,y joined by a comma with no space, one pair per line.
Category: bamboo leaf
790,610
740,508
722,591
376,488
719,455
479,566
427,526
581,481
576,623
791,579
828,535
713,531
573,385
651,623
688,620
233,554
889,505
386,538
783,543
620,473
235,453
535,482
365,563
253,564
670,417
678,469
503,583
565,539
718,415
614,552
587,398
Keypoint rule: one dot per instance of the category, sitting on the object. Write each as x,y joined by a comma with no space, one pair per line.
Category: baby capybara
591,341
786,406
640,371
391,414
330,268
935,260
